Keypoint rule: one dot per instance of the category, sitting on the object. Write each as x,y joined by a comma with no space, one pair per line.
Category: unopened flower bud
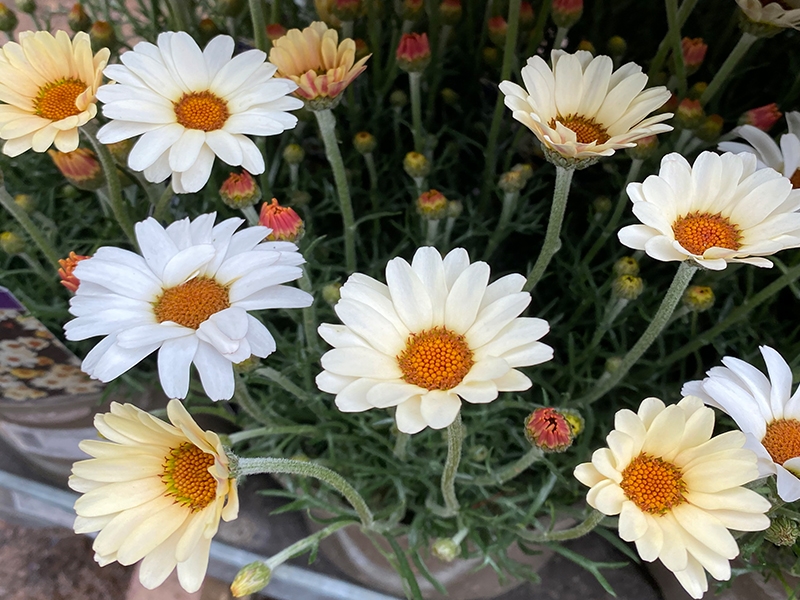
498,28
208,30
240,190
479,453
445,549
694,52
450,11
68,279
27,6
248,365
762,29
294,154
454,209
11,243
450,96
512,182
26,202
763,117
8,19
612,364
102,35
416,165
412,10
576,422
250,579
121,150
782,531
697,90
587,46
230,8
526,15
689,114
77,19
627,287
698,298
670,105
362,49
364,142
398,99
331,293
491,56
432,205
275,31
346,10
711,128
524,169
286,224
80,167
566,13
645,148
627,265
548,429
301,457
617,46
602,205
299,198
413,52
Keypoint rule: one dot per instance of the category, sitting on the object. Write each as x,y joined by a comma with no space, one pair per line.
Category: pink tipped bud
498,28
763,117
549,430
689,114
566,13
275,31
526,15
77,19
240,190
450,11
68,279
80,167
412,9
286,224
413,52
346,10
432,205
694,52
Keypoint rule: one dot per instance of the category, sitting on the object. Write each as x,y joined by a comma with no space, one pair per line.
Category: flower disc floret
782,440
653,484
192,303
187,477
202,110
697,232
56,101
436,359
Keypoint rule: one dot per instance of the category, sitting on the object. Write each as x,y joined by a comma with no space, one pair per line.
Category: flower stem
243,398
592,521
283,381
301,546
455,437
687,6
431,231
28,225
677,49
160,211
552,239
561,33
259,24
511,470
118,206
415,84
248,434
327,127
180,14
250,214
500,232
401,444
309,315
738,52
253,466
679,283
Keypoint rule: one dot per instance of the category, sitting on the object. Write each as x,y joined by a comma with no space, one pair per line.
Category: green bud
454,209
601,205
449,96
613,363
77,19
627,265
250,579
294,154
11,243
512,182
698,298
416,165
332,292
230,8
26,202
479,453
617,46
8,19
445,549
398,99
102,35
27,6
627,287
365,142
783,531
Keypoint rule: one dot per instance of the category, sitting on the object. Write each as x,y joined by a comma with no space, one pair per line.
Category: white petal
439,408
216,372
174,361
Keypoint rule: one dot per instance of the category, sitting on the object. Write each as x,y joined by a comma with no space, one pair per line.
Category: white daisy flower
784,158
155,491
720,210
192,106
187,296
580,109
435,334
676,489
764,409
778,13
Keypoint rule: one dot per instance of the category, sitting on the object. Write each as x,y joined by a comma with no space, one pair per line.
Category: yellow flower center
435,359
56,101
586,130
653,484
202,110
795,179
782,440
187,478
191,303
697,232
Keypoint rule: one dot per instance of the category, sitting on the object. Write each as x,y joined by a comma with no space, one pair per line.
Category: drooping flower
317,62
191,105
48,86
188,297
784,158
579,109
776,13
676,489
764,409
719,210
155,492
436,333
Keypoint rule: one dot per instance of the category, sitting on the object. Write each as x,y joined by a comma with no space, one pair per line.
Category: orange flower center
435,359
56,101
586,130
795,179
782,440
191,303
201,110
653,484
187,478
697,232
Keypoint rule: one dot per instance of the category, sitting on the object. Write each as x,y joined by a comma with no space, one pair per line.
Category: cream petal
742,521
391,393
454,263
706,529
636,236
693,579
353,397
192,571
118,497
632,523
673,551
361,362
409,416
587,474
477,392
340,336
788,483
150,533
465,296
665,432
159,562
492,319
650,544
513,381
111,470
609,499
720,475
332,384
780,376
439,408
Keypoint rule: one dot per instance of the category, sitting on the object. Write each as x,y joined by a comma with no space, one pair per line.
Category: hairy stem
259,24
455,438
511,470
580,530
677,49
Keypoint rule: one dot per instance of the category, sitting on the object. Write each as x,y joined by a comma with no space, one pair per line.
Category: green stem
552,237
401,444
283,381
259,24
561,33
33,231
663,48
161,211
511,470
677,49
431,231
248,434
36,266
118,206
180,14
415,84
254,466
309,315
509,51
738,52
455,438
250,214
300,546
276,11
327,127
243,398
501,231
580,530
674,294
404,570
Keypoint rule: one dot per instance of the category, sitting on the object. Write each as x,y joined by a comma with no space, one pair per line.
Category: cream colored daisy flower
437,332
191,105
580,109
188,297
719,210
676,489
778,13
154,491
48,86
764,409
